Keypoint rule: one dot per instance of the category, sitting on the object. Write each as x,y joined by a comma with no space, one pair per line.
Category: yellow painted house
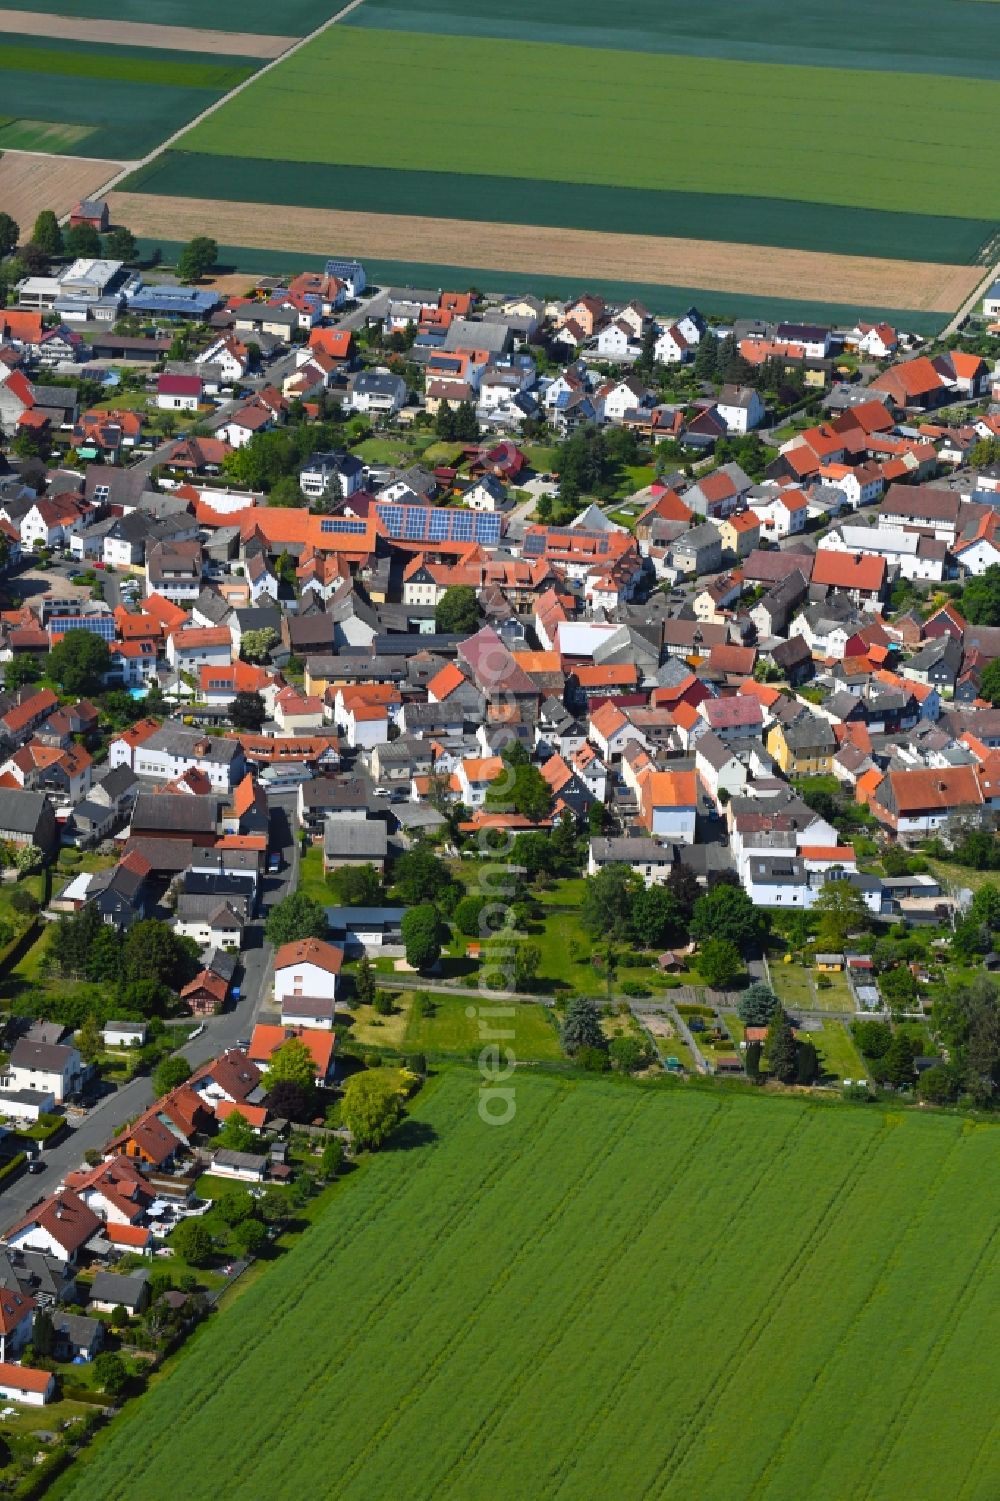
805,748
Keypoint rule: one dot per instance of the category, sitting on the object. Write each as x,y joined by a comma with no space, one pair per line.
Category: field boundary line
59,156
969,304
199,119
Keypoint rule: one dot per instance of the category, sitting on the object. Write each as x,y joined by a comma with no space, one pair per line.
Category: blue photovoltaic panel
342,526
438,524
98,625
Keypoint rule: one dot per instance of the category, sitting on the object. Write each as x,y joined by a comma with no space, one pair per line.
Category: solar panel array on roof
342,526
439,524
568,538
98,625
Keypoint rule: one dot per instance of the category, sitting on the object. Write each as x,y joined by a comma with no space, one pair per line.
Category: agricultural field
700,207
555,1300
118,102
29,183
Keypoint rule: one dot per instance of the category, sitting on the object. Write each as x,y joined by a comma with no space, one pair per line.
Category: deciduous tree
121,244
197,258
295,918
371,1108
89,1040
193,1242
719,962
421,929
841,910
10,233
457,611
82,240
247,711
292,1063
236,1134
110,1371
606,909
79,662
168,1074
256,646
727,912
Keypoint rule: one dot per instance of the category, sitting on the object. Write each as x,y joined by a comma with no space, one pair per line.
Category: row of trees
138,969
458,425
616,903
50,242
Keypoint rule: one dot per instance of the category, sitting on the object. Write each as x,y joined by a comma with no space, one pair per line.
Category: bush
872,1037
635,988
629,1054
13,1166
594,1060
417,1063
382,1004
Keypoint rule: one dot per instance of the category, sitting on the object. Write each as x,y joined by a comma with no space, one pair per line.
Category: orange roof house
858,574
266,1041
668,804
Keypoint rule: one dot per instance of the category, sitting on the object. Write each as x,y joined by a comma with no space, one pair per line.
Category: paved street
220,1032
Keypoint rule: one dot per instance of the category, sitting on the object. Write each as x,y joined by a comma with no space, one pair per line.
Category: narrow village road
219,1033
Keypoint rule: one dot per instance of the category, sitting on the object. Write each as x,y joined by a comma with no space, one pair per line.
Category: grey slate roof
355,839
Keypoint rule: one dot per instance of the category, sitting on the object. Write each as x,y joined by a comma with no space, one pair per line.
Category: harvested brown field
762,271
29,183
143,34
232,284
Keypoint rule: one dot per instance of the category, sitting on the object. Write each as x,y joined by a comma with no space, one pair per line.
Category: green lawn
474,1310
736,1027
791,985
838,1055
954,877
565,893
836,996
799,989
541,457
449,1028
387,450
312,881
635,477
